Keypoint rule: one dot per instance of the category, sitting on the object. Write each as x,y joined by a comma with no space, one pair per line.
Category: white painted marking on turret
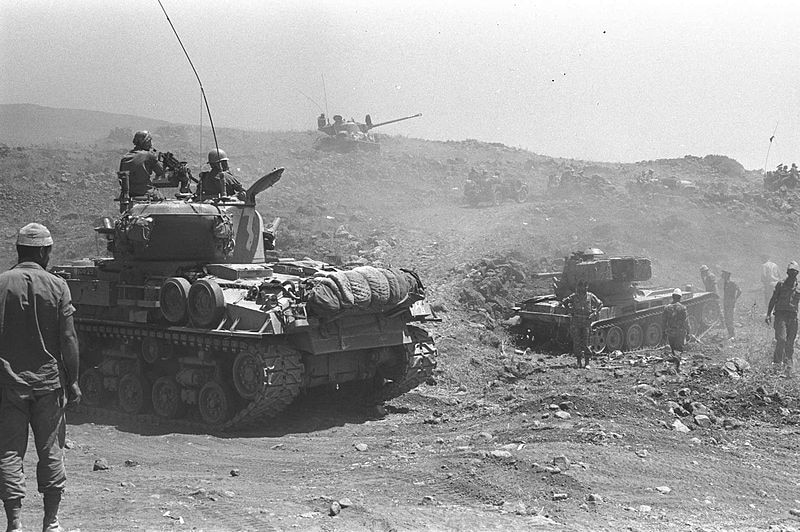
250,235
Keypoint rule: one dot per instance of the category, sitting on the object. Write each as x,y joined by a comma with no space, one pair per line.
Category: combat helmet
216,156
140,138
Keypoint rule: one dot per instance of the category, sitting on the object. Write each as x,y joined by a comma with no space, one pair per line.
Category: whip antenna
324,92
769,147
202,91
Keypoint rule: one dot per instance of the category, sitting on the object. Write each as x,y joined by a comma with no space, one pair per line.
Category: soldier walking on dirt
676,326
140,163
730,293
219,181
770,275
784,302
582,306
38,366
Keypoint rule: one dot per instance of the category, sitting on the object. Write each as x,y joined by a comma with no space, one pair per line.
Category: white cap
34,235
677,292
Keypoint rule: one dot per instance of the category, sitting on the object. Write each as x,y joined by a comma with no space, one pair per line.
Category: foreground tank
189,320
631,317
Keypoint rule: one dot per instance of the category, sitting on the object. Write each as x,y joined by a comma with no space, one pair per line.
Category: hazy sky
611,81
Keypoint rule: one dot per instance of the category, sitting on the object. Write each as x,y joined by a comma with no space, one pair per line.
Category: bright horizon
605,81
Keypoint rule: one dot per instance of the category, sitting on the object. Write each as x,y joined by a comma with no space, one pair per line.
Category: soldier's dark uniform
218,182
140,164
676,327
581,307
730,293
785,301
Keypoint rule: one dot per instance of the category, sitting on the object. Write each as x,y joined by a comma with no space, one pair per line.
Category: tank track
280,365
419,366
624,321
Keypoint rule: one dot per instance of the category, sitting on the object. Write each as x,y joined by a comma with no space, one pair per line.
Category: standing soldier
784,301
38,362
219,181
676,326
582,306
709,279
769,278
140,163
730,293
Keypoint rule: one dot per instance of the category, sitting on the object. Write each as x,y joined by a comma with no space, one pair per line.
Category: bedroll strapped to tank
364,287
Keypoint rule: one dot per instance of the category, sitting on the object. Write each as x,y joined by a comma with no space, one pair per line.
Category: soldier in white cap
38,371
785,300
676,327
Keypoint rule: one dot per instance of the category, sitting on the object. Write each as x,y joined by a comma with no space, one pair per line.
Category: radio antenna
324,92
770,147
202,91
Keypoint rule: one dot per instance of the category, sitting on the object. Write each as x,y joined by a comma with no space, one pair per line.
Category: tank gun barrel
370,125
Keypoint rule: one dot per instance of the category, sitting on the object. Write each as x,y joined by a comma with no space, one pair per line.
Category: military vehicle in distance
480,187
191,319
631,317
346,136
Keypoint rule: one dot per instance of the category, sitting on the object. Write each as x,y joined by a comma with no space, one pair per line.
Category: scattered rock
335,508
594,498
646,389
100,465
560,496
736,367
234,472
486,436
126,484
700,409
131,463
428,500
703,421
566,405
69,444
361,447
679,427
696,441
497,453
553,407
345,503
795,512
562,415
642,453
684,392
561,462
644,508
663,489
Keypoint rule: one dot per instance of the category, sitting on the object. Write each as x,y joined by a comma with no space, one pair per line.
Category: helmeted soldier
709,279
676,326
219,181
784,302
140,163
582,306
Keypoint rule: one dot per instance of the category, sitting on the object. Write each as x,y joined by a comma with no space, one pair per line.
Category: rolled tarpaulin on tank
378,284
362,295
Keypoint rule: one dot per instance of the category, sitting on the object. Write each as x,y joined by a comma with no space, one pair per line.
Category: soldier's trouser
785,333
728,315
580,339
44,412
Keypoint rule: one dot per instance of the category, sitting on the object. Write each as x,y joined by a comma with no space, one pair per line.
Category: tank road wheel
206,303
248,374
634,337
653,334
91,383
614,339
216,403
133,392
167,398
597,340
154,350
172,300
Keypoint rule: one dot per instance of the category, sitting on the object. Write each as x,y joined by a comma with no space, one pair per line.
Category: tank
631,317
195,320
480,187
348,135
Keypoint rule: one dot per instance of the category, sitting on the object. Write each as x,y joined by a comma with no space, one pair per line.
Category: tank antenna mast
196,75
769,147
324,92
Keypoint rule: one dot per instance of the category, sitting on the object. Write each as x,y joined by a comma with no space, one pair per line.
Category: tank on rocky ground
348,135
480,187
631,317
193,321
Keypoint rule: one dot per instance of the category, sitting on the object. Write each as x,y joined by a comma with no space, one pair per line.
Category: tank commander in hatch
140,163
219,181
